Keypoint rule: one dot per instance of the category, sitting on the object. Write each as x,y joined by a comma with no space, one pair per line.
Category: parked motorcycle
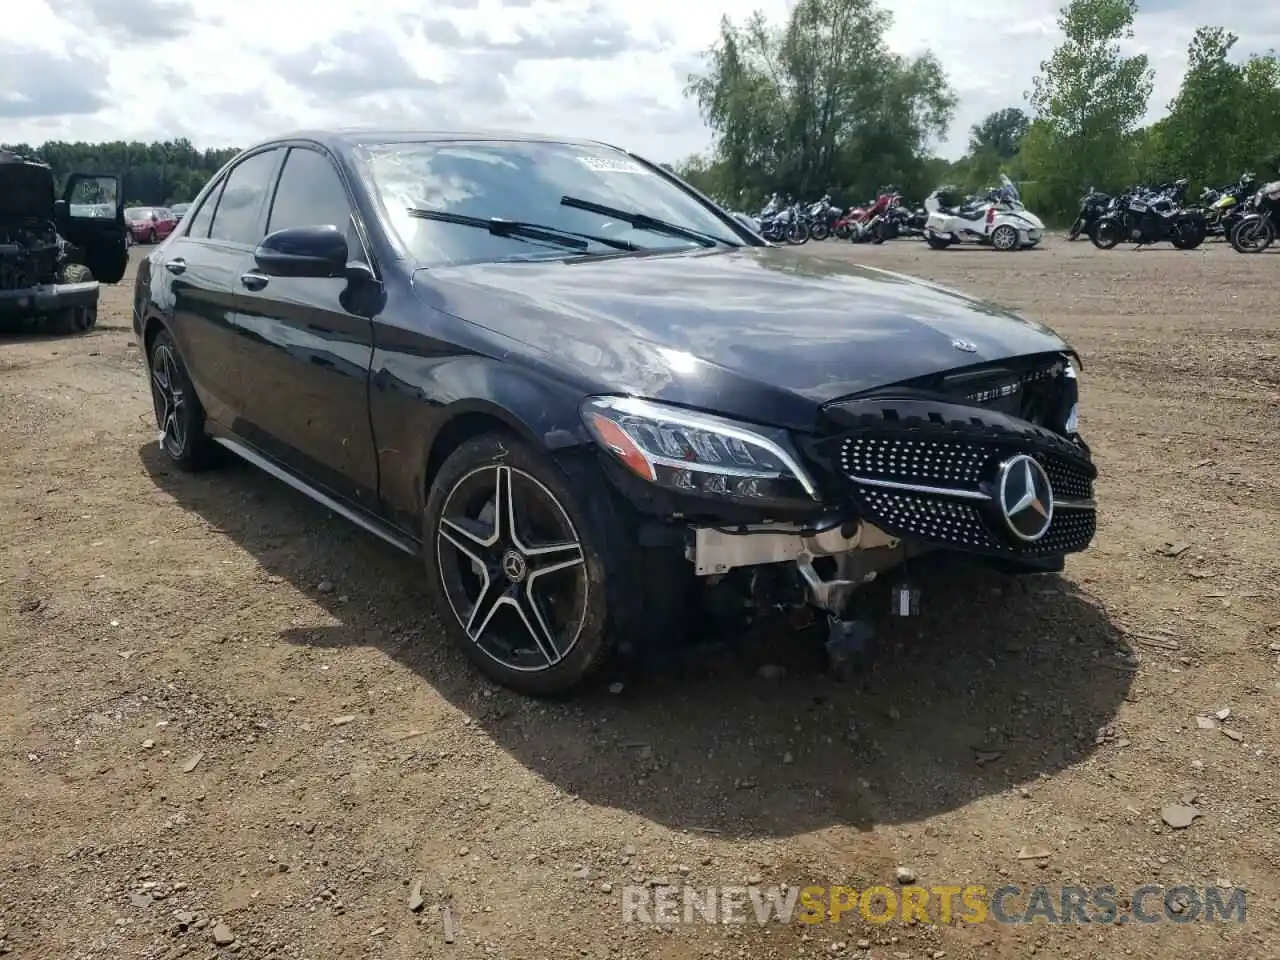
860,219
997,219
1226,208
1092,206
1145,218
823,217
1256,230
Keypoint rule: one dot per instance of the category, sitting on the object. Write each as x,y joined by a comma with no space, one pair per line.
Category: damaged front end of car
984,461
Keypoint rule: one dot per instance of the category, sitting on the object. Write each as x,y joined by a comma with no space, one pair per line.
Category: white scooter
1000,221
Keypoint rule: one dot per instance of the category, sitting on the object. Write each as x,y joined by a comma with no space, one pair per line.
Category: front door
91,217
304,355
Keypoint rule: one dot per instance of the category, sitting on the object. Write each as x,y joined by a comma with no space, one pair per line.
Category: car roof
341,139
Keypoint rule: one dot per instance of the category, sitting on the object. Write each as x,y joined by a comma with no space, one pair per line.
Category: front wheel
1253,236
1005,237
533,565
1106,234
819,231
798,233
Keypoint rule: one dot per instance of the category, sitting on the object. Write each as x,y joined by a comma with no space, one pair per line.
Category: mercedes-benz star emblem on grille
965,345
1025,497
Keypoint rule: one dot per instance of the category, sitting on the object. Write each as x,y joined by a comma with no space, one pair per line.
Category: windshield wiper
523,231
642,221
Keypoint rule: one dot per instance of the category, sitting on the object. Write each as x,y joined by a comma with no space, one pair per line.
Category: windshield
138,213
525,181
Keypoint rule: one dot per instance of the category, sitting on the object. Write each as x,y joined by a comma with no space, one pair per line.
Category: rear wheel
529,562
1189,235
819,231
798,233
179,415
76,319
936,241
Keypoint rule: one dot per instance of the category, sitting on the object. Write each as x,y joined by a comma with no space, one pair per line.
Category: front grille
928,471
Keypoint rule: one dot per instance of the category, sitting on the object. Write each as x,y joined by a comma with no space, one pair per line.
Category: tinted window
523,181
310,194
198,225
236,218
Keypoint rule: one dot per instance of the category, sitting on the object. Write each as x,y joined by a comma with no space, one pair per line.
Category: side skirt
370,524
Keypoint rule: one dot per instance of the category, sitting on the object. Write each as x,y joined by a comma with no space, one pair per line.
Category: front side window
526,181
311,194
237,217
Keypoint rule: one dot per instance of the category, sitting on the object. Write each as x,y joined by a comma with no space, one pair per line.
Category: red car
149,224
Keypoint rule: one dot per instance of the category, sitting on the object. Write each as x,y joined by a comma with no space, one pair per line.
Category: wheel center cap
513,566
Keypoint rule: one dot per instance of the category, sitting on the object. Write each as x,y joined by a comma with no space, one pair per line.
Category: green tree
1000,133
153,174
819,103
1088,98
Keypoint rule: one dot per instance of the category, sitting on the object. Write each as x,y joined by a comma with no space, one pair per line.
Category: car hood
743,332
26,189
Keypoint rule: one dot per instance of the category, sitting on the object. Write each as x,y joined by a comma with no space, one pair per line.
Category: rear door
305,355
103,240
200,265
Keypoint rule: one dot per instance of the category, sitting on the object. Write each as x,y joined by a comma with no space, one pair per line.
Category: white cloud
610,69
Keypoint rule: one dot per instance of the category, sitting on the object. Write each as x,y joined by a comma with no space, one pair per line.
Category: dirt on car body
229,725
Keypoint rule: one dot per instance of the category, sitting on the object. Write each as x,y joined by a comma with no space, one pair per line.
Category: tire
819,231
1005,238
877,234
1106,234
1076,229
590,554
1190,236
936,242
1260,235
179,416
151,236
797,234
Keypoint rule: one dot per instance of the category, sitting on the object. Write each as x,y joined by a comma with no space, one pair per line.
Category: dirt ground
225,713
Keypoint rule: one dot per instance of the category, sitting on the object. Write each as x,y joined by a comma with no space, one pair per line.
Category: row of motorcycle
1243,213
996,218
786,221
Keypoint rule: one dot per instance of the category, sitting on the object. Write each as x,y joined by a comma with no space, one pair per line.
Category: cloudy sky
231,71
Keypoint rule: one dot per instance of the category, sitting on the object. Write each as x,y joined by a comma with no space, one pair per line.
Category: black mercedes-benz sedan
589,398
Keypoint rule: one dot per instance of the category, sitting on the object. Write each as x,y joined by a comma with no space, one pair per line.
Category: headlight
1071,426
698,453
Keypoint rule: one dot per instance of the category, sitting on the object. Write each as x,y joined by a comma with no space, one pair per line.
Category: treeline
819,104
153,174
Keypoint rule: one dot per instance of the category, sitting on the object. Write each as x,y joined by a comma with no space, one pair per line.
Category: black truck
55,252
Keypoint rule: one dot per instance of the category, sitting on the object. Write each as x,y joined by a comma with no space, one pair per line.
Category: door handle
253,281
176,265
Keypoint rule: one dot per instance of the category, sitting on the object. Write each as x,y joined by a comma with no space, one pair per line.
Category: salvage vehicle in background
602,411
149,224
54,253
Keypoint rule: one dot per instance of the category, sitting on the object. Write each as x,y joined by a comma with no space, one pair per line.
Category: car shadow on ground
1000,681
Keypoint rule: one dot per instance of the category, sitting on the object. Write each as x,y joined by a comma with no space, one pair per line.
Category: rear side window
198,228
237,218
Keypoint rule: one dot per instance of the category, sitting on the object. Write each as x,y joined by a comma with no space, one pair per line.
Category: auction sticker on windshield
612,165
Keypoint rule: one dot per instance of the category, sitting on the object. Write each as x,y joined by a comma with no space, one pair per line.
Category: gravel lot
225,714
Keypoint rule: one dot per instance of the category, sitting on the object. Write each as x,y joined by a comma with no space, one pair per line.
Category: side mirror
314,252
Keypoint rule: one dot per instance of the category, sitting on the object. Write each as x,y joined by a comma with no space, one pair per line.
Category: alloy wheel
1004,237
512,568
170,401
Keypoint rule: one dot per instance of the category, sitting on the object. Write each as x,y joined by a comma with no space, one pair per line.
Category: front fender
422,408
